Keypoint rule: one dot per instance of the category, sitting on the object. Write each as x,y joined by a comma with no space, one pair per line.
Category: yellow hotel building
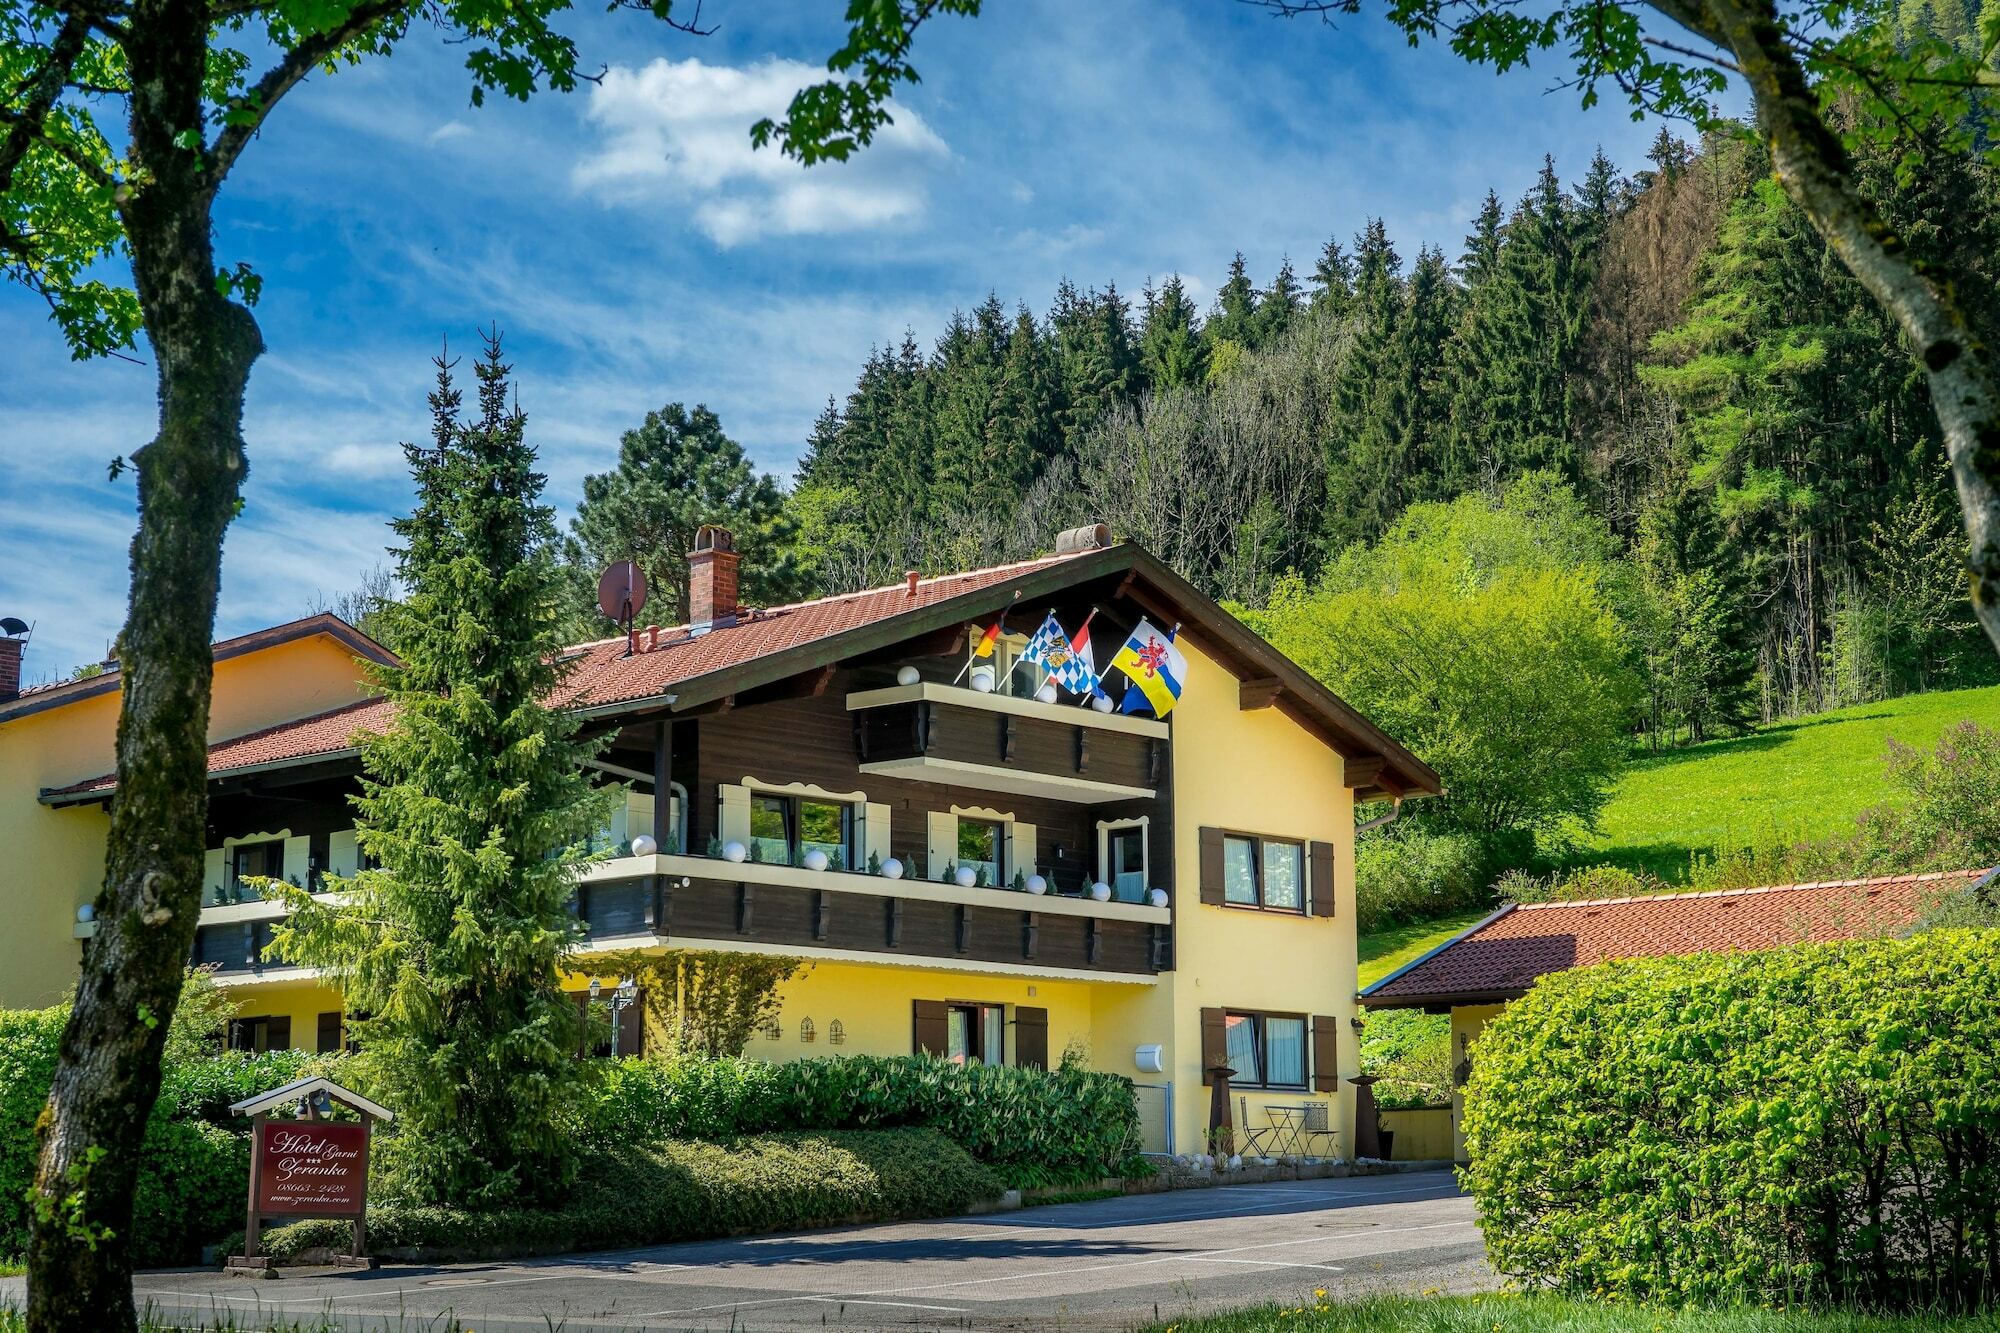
970,869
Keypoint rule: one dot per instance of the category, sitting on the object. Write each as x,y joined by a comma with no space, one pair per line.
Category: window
1125,862
1263,872
979,845
1267,1050
264,1032
975,1034
784,828
1011,675
254,860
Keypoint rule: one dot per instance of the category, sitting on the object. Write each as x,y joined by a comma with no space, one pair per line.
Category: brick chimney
11,649
712,580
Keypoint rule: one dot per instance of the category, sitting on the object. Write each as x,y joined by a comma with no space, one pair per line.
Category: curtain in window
1240,1030
1285,1051
1283,874
1239,871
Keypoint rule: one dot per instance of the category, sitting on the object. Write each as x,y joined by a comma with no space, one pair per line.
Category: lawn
1388,949
1804,778
1548,1314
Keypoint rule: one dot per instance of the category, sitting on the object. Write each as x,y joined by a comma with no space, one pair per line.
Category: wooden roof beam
1259,692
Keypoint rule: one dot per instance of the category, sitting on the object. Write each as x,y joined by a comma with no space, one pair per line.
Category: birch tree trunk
79,1259
1816,172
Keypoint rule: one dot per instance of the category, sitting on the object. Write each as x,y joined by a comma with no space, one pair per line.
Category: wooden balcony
696,902
929,732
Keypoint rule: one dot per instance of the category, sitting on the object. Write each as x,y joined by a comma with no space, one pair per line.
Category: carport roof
1500,957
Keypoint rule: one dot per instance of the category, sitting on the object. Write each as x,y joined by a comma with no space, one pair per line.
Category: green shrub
1037,1127
195,1166
1415,875
684,1190
1819,1122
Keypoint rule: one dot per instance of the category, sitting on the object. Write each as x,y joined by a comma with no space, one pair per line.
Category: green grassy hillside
1804,778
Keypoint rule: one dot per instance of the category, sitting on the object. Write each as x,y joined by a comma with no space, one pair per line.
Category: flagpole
1083,699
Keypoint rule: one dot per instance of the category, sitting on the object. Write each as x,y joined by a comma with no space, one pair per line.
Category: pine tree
1097,360
1481,257
1332,281
473,812
1235,316
1170,340
677,471
1364,464
1279,307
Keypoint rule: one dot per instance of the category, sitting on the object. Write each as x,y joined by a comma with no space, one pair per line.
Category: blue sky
636,251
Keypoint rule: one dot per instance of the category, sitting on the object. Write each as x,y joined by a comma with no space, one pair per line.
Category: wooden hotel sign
304,1165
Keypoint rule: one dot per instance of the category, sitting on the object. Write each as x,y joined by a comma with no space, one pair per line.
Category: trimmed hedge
1036,1127
689,1191
1818,1123
195,1167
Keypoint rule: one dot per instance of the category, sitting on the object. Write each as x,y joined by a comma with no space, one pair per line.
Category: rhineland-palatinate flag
1156,669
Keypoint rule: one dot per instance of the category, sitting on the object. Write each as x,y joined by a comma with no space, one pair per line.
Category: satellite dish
621,592
13,626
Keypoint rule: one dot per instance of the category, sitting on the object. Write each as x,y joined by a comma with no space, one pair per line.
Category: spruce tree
1332,282
1279,307
1170,340
473,813
1235,317
676,471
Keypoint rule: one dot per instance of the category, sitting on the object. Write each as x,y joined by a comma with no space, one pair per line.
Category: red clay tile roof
1500,957
605,675
321,735
675,663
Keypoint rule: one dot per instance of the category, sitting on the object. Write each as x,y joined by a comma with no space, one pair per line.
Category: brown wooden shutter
929,1033
278,1036
1319,858
1031,1037
1211,866
1214,1040
329,1032
1326,1053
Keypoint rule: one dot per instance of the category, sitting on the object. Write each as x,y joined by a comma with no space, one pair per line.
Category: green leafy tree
474,810
1801,64
1482,634
123,122
677,471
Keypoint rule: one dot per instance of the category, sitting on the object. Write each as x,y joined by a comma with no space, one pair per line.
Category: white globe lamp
1157,897
892,869
1047,694
1101,702
966,876
734,851
982,679
908,675
1101,891
815,859
1037,885
644,845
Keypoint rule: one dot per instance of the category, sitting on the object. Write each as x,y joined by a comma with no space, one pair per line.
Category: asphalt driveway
1110,1264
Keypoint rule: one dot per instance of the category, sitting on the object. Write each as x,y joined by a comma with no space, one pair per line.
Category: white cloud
679,130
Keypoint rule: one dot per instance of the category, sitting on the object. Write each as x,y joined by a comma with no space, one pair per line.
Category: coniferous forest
1637,464
1675,345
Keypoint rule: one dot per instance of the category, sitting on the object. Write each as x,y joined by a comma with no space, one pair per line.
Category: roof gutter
1381,821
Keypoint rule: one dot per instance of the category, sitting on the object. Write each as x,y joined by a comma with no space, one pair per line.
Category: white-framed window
999,848
785,826
1122,857
1011,675
780,823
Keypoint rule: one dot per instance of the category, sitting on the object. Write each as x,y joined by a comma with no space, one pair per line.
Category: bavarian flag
1155,667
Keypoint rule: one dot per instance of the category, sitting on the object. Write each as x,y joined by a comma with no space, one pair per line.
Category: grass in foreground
1804,778
1388,949
1551,1314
